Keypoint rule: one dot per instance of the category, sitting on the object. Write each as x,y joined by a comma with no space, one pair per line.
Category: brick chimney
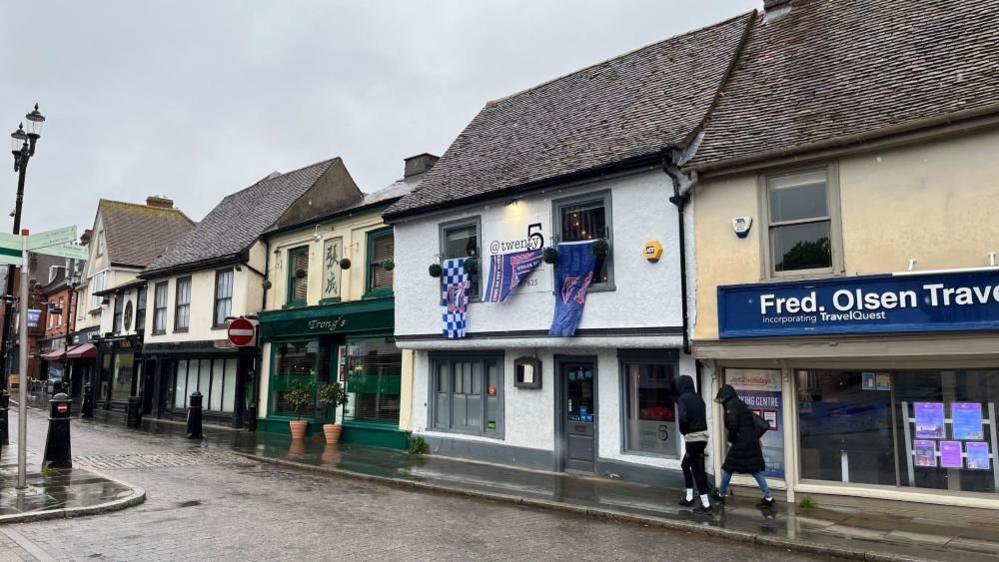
86,236
419,164
159,201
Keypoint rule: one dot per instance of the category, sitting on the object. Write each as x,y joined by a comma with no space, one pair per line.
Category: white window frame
97,300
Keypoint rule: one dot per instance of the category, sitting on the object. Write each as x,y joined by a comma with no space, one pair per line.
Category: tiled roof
240,218
628,107
136,234
834,68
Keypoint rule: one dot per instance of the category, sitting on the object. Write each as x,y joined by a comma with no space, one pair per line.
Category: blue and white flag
506,271
454,297
573,275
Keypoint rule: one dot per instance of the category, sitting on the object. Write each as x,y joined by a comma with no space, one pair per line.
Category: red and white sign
241,332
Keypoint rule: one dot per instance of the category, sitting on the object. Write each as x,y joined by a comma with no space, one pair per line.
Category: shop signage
332,252
364,316
520,230
865,304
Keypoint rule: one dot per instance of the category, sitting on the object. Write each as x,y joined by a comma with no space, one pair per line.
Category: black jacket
745,454
690,414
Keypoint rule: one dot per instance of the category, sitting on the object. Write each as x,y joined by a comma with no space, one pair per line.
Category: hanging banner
573,275
454,298
332,252
519,228
506,271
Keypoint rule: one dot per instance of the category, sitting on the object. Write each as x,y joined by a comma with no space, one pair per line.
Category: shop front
880,386
350,343
119,361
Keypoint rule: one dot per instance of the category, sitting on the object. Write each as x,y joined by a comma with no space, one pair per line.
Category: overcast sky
198,99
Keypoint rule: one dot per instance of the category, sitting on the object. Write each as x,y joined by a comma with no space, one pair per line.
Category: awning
54,355
366,316
82,351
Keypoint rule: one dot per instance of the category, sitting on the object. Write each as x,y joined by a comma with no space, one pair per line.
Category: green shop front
348,342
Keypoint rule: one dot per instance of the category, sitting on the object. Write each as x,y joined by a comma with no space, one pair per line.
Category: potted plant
331,396
299,398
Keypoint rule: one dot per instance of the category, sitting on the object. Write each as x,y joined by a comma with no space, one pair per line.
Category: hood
726,393
683,385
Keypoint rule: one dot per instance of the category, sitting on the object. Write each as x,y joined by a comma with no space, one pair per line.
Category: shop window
294,362
801,222
182,306
121,376
373,373
229,385
650,414
140,310
160,307
760,389
215,379
298,276
460,239
916,429
223,296
381,246
119,305
467,394
587,217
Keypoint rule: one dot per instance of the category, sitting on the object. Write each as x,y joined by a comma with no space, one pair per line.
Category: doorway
577,414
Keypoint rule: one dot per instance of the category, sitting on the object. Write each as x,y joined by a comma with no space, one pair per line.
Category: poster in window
930,420
967,421
925,451
869,381
977,453
884,381
760,389
332,253
950,454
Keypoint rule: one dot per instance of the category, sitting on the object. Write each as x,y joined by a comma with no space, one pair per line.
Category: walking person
693,422
745,454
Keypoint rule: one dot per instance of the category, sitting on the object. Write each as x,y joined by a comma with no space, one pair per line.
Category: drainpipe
683,182
267,270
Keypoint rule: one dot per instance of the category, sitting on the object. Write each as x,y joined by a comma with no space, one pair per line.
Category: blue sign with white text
864,304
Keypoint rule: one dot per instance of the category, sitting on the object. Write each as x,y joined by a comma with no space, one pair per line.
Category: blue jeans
761,481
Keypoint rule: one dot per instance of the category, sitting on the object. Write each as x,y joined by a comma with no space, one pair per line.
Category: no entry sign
241,332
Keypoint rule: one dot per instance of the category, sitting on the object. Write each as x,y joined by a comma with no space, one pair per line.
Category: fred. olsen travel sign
930,302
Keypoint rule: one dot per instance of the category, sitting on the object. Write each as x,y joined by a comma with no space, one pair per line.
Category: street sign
52,238
71,251
10,241
241,332
33,315
10,257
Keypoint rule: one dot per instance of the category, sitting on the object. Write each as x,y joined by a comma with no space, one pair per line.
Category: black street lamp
22,146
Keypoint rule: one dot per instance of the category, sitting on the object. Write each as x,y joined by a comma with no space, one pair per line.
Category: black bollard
134,417
194,417
87,411
58,453
4,423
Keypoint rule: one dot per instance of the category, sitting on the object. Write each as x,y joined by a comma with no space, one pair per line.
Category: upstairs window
160,307
223,296
140,310
298,276
460,239
182,313
96,286
119,306
587,217
381,247
801,223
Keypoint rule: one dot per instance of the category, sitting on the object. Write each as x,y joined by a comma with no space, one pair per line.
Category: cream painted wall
934,202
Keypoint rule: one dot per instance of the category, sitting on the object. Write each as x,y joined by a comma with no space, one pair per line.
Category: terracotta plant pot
332,432
298,428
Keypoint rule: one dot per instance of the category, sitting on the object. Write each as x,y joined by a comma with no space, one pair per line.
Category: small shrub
418,445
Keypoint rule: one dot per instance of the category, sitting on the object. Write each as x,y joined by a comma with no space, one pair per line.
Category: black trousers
693,466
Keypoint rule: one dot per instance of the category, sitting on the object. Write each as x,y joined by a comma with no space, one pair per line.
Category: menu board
930,420
950,454
977,455
967,421
926,452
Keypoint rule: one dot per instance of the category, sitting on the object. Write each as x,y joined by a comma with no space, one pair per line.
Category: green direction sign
52,238
9,256
11,242
70,251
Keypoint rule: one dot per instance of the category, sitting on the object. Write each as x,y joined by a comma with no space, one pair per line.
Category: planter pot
298,428
332,432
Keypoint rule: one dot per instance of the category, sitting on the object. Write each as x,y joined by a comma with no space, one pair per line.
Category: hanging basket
600,248
471,266
266,284
388,265
435,270
300,273
345,263
550,255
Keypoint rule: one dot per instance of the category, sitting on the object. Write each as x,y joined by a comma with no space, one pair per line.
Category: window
801,230
140,310
381,245
294,363
119,305
460,239
121,381
160,307
96,286
223,296
587,217
298,276
373,373
58,317
215,379
650,413
467,394
100,242
182,310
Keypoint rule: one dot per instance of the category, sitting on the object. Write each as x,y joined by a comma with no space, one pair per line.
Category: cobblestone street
206,503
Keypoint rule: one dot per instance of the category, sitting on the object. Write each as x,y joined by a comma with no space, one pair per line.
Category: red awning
82,351
54,355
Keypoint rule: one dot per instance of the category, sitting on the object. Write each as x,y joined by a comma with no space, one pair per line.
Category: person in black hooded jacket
693,421
745,453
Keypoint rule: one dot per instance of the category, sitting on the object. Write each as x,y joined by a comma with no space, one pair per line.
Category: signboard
517,232
332,274
48,238
241,332
33,315
760,389
71,251
865,304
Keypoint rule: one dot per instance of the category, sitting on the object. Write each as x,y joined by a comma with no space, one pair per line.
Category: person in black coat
745,453
692,418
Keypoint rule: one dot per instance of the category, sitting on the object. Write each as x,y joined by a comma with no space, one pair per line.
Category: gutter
192,266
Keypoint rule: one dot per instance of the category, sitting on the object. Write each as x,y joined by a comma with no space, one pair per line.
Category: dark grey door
580,415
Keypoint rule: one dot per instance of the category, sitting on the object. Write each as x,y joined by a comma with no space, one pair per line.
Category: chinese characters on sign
332,252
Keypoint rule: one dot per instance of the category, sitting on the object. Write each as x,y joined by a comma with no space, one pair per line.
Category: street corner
63,493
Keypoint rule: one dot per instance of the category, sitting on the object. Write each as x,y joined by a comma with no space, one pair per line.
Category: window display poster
760,389
977,453
950,454
926,452
967,421
869,381
884,381
930,420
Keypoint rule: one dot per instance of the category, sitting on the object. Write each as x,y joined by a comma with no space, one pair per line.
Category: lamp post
22,146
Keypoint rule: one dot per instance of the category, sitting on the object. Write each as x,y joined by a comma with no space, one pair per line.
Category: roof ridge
283,174
142,206
622,55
